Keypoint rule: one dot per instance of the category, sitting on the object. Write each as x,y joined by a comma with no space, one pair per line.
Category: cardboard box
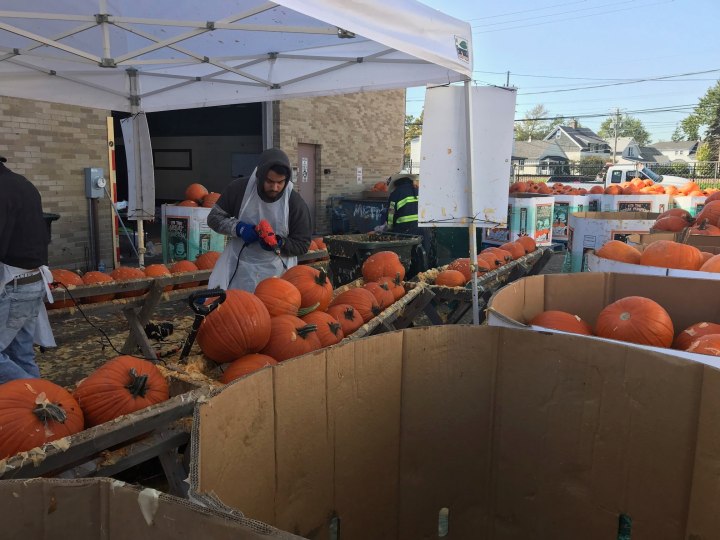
527,215
636,203
479,432
91,509
586,294
590,230
691,204
564,206
185,233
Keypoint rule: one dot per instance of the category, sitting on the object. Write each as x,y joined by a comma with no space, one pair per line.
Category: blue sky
552,46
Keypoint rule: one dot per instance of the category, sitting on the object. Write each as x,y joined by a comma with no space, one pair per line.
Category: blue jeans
19,307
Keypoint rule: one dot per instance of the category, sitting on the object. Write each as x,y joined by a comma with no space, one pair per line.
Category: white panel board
447,199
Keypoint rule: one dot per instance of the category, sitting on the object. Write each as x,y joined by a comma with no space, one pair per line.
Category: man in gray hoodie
267,195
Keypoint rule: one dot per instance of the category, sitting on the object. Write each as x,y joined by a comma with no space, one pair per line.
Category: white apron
255,263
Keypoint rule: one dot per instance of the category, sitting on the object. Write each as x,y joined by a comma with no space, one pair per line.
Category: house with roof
675,151
579,142
629,151
538,157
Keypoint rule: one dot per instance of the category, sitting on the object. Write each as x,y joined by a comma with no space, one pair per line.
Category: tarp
177,55
141,174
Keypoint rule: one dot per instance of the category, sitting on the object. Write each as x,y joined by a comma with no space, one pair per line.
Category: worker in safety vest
402,214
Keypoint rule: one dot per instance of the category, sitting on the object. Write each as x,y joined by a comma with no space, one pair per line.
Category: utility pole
617,122
507,80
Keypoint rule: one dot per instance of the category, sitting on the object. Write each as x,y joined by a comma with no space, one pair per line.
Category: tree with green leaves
536,125
705,120
628,126
413,128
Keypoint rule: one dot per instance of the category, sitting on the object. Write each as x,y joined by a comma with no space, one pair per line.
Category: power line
527,10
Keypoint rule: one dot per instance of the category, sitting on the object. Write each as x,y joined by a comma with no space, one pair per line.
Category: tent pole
472,229
135,109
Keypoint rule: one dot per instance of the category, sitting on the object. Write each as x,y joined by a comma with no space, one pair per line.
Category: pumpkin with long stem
290,336
34,412
120,386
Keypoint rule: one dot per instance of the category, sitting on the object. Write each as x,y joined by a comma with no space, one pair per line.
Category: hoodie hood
268,159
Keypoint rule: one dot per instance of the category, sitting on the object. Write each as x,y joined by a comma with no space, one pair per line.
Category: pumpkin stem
334,327
138,384
397,279
704,225
377,310
321,278
625,316
304,311
50,411
384,286
306,330
349,313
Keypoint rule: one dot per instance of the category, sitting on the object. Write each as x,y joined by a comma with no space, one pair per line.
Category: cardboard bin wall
496,433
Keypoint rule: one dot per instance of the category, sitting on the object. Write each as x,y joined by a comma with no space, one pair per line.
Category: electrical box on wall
94,182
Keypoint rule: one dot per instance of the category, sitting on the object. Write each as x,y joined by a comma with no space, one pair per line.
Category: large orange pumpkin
345,314
382,294
362,300
329,329
120,386
238,326
382,263
184,266
670,223
246,364
677,212
195,192
669,254
279,296
210,200
715,196
158,270
705,229
515,249
207,260
711,212
128,273
290,336
616,250
528,242
685,338
66,278
95,278
451,278
561,320
711,265
394,285
636,319
314,286
34,412
708,344
502,254
463,266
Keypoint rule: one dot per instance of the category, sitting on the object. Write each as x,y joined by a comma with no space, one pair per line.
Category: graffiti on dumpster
367,211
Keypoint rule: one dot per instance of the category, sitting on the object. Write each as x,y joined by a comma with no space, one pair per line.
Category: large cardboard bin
586,294
50,509
464,432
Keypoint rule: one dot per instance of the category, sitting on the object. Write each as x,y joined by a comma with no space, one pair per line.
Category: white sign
359,175
304,169
444,198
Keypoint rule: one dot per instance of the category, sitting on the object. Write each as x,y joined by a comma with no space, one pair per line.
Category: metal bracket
101,18
210,25
344,34
107,63
272,56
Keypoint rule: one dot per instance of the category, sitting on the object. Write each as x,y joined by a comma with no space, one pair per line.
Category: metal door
305,183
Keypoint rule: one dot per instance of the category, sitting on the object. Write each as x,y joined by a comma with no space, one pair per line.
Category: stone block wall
51,144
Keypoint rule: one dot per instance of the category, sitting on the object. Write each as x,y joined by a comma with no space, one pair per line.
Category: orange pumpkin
711,265
709,344
279,296
329,329
195,192
65,278
187,203
616,250
394,285
715,196
677,212
463,266
349,319
362,300
711,212
382,294
451,278
490,259
704,228
382,263
210,200
636,319
207,260
238,326
314,286
528,242
158,270
245,365
502,254
290,337
685,338
34,412
184,266
379,186
515,249
128,273
669,254
561,320
120,386
670,223
95,278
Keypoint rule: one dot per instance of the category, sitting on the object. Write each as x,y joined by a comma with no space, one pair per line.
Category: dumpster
49,218
363,214
349,251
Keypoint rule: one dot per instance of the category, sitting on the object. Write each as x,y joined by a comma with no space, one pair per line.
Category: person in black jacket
24,243
403,204
266,195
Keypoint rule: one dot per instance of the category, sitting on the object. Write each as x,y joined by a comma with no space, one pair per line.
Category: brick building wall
349,131
51,144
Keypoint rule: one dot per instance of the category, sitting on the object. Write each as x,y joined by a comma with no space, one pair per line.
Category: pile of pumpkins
37,411
296,313
669,253
69,279
197,195
458,273
634,187
639,320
